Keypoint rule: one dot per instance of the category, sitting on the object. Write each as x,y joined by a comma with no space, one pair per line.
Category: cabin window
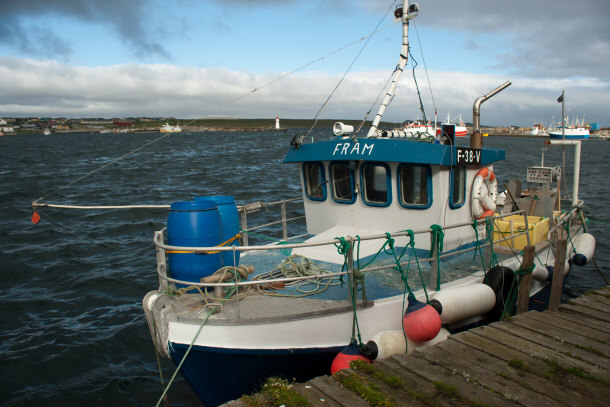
414,183
376,185
315,181
342,182
458,187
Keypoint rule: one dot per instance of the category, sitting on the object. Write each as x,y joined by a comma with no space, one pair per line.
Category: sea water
72,324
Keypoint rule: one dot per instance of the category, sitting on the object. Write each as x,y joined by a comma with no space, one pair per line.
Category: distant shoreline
129,126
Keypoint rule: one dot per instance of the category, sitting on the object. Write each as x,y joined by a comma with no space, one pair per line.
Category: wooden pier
559,358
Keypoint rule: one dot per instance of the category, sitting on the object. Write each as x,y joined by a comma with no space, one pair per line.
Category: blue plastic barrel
229,219
193,224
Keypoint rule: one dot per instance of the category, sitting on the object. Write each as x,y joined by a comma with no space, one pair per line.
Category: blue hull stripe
219,375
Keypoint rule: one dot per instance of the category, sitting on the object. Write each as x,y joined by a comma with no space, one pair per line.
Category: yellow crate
538,229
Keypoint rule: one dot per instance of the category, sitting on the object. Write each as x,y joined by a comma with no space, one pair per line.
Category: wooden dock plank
590,303
602,291
570,392
530,348
456,363
314,396
563,335
423,387
511,370
575,326
440,376
555,344
598,296
583,319
400,395
586,311
337,393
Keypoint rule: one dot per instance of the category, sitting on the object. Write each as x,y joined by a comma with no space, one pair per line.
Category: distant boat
417,127
538,130
460,127
570,133
576,130
166,128
46,131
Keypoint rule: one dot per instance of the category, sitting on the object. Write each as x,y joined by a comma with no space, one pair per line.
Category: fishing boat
417,127
457,123
166,128
575,130
405,240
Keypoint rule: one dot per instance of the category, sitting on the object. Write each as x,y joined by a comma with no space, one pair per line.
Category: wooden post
244,226
560,259
523,298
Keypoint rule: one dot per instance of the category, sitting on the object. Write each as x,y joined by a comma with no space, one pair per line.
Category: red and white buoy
346,356
421,322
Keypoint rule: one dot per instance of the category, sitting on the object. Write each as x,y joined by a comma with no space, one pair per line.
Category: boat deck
260,309
559,358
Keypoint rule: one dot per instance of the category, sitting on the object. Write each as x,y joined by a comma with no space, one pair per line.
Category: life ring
484,194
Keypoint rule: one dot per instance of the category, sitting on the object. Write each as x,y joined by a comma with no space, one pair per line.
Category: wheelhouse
384,184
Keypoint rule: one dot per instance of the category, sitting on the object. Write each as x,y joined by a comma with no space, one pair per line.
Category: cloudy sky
201,58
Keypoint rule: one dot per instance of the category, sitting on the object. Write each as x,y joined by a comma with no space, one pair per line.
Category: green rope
475,226
343,248
511,299
437,243
158,358
489,230
210,312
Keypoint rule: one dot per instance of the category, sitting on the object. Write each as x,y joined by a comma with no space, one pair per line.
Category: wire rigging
347,71
421,50
37,203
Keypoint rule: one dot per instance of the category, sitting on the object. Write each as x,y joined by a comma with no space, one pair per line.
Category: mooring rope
210,312
37,203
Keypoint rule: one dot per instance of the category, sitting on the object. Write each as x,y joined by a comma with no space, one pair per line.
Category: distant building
118,122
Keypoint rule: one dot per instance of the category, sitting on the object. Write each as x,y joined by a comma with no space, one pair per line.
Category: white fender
465,302
390,343
540,273
584,245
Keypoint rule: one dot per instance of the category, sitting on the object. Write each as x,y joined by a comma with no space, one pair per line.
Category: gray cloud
46,88
127,18
548,38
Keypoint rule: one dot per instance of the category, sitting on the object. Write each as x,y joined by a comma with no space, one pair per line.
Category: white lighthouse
277,122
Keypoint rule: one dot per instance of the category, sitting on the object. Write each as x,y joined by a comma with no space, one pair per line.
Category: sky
262,58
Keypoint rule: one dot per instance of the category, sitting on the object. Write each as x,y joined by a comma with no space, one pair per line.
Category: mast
408,12
563,117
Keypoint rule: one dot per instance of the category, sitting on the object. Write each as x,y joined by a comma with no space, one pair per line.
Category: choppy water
72,324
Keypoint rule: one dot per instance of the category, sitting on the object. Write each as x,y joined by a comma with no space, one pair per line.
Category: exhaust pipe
476,140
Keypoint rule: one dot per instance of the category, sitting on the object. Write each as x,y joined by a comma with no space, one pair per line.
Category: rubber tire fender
500,279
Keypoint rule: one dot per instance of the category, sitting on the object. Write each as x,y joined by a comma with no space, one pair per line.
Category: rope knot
342,246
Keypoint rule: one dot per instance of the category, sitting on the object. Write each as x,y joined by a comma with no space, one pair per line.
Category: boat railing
284,245
258,206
